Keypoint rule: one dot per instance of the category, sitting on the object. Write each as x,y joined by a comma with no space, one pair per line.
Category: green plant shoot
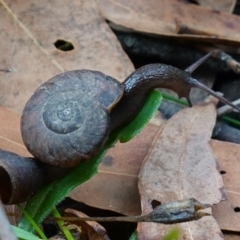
22,234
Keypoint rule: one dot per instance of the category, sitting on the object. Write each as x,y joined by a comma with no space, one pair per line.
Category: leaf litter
27,73
227,212
173,18
181,164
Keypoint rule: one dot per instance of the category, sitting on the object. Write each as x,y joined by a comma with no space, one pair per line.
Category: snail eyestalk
195,65
201,86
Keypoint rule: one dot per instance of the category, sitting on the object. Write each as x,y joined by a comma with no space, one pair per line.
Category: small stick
224,57
168,213
227,109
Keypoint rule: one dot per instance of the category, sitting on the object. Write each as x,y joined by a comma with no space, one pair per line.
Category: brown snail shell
66,120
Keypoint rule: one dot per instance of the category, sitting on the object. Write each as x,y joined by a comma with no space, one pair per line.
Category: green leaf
173,234
170,97
32,222
20,233
42,203
234,122
134,236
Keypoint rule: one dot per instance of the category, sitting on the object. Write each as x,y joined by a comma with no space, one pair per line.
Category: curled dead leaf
91,230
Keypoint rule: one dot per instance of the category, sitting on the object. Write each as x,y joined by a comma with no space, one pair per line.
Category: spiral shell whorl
62,113
66,120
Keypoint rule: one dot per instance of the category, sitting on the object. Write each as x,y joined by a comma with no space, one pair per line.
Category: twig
227,109
168,213
224,57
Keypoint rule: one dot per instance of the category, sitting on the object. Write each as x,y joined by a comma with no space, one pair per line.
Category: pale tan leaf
173,18
182,165
227,213
29,30
10,136
223,5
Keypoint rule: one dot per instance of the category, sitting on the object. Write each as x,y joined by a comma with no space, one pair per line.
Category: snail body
69,118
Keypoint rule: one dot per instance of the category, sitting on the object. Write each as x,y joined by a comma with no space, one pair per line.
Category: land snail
69,118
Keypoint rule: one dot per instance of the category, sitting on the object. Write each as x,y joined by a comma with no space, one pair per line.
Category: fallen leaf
29,30
224,5
13,213
89,230
227,213
10,136
115,185
182,165
174,18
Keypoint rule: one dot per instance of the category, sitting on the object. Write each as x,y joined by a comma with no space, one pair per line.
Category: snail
69,118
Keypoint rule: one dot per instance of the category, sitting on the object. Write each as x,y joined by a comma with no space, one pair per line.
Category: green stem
184,103
30,219
60,223
169,97
231,120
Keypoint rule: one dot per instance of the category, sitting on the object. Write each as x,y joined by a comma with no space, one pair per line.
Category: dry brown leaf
115,186
89,230
13,214
10,136
28,32
223,5
171,17
182,165
227,213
